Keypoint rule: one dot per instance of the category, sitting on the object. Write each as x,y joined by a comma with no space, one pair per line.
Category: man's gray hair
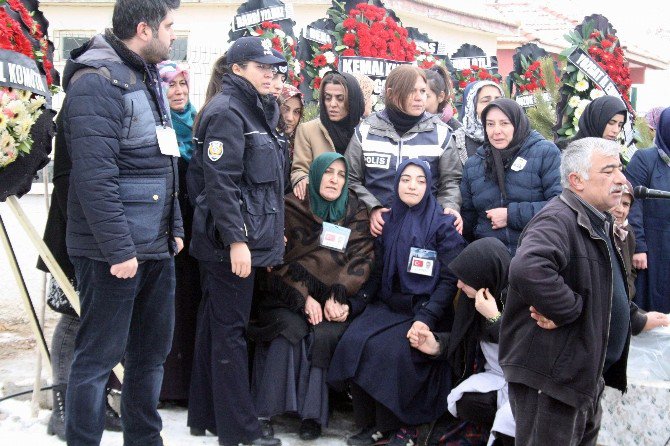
577,156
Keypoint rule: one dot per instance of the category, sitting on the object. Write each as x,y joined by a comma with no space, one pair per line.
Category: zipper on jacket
609,301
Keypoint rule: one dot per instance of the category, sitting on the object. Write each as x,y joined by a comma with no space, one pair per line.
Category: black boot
56,424
112,418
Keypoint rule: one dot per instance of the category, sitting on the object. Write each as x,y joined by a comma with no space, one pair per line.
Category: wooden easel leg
49,260
23,290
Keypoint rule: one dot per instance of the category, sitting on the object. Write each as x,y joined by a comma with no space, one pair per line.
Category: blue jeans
129,318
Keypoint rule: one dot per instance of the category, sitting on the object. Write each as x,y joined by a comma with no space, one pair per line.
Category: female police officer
237,175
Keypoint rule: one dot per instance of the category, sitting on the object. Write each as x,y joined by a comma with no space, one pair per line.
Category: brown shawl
310,269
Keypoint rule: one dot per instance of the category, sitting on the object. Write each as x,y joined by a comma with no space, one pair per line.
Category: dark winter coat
528,190
239,193
563,268
650,220
122,201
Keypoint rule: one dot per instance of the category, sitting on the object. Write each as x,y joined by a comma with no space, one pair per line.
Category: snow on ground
18,358
17,427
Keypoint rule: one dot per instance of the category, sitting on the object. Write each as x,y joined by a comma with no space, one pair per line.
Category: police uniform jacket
237,176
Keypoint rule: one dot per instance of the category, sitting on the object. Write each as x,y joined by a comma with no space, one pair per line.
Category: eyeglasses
266,67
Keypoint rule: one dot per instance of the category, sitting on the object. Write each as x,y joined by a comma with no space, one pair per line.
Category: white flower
324,70
330,56
574,101
35,104
22,128
289,40
279,33
296,67
580,107
3,121
7,142
582,85
18,108
23,95
4,99
595,93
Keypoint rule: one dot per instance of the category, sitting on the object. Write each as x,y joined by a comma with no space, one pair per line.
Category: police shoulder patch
215,150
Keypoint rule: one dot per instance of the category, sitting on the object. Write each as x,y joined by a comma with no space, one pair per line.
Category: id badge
518,164
334,237
167,141
421,261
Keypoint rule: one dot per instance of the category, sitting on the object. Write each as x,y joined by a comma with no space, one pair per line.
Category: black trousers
369,412
220,398
543,420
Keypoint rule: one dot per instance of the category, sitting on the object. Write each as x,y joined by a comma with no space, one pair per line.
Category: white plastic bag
649,356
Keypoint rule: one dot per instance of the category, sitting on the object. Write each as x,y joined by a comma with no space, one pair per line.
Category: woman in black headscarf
510,178
472,344
604,118
341,107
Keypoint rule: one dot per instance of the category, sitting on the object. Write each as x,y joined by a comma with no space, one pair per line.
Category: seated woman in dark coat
312,297
395,387
510,178
472,344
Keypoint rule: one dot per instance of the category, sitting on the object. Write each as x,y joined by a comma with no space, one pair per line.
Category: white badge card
334,237
518,164
421,261
167,141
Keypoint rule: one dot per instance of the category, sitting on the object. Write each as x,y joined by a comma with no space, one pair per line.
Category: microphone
642,192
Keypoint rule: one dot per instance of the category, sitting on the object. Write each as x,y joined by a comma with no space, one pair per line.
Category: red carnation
319,61
266,25
466,72
474,67
484,74
276,43
522,88
349,23
349,39
543,83
326,47
317,83
595,34
354,12
462,84
606,43
472,79
348,52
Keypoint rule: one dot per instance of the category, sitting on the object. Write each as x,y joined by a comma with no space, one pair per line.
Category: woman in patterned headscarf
291,106
470,136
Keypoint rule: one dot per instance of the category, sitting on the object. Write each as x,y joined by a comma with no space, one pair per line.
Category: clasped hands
333,311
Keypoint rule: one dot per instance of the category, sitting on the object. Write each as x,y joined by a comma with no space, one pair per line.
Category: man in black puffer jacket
570,274
124,223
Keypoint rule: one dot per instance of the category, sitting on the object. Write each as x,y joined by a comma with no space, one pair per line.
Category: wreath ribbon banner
251,18
584,63
376,69
21,72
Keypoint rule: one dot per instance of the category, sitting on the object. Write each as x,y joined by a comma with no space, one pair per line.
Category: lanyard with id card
334,237
167,141
421,261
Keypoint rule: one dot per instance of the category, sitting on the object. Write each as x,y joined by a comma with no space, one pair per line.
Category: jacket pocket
203,222
143,202
261,163
260,216
139,124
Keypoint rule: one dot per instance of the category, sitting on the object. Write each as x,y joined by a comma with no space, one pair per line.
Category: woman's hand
485,303
542,321
498,217
300,189
656,319
240,259
377,221
459,221
413,334
640,260
335,311
313,311
423,340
